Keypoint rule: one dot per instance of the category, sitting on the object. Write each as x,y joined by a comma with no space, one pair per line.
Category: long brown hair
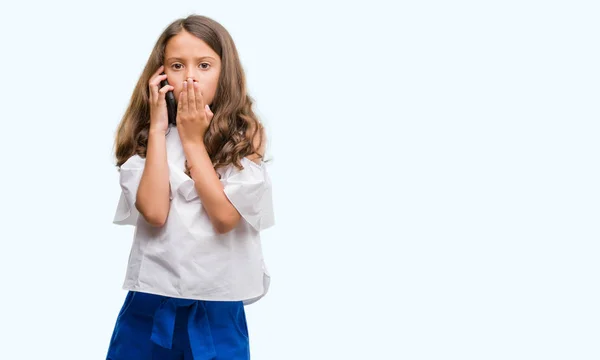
234,126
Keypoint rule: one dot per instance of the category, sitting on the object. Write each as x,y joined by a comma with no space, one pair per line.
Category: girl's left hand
193,116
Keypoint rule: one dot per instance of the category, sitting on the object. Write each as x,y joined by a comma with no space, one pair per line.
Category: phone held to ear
171,106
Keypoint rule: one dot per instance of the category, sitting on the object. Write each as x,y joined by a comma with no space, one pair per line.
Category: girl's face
186,57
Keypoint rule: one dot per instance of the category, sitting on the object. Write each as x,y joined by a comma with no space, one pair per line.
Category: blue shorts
158,327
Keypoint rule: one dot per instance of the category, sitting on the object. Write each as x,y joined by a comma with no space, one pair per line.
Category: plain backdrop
435,171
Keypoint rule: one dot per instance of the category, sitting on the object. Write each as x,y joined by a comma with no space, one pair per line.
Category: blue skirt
158,327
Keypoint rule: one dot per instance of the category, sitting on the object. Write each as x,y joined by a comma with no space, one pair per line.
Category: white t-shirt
186,258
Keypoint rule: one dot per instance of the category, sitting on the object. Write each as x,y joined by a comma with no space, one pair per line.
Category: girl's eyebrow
198,58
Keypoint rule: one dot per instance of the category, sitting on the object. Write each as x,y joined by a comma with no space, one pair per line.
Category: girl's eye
202,65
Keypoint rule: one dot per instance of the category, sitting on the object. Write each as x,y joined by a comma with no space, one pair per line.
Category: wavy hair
234,127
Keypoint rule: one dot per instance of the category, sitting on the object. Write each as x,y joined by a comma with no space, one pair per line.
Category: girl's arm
152,199
223,215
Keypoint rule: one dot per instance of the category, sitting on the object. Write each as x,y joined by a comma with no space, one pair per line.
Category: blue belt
198,327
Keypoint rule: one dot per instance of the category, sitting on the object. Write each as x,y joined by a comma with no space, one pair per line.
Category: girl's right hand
159,118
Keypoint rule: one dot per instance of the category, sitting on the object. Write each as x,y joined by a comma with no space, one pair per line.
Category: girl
199,194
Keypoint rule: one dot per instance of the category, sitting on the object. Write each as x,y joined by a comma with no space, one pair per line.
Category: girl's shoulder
260,144
134,162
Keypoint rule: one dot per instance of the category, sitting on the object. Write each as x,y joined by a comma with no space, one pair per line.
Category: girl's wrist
160,132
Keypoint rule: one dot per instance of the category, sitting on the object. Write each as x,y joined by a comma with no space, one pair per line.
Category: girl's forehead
187,45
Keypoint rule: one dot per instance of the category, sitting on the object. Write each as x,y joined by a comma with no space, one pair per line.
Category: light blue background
434,165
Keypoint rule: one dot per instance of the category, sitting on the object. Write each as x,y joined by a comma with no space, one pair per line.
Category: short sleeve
130,175
250,191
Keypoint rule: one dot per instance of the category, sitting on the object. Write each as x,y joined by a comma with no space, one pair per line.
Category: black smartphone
171,106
